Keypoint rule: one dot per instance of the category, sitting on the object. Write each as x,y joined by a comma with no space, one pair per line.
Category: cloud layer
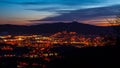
90,16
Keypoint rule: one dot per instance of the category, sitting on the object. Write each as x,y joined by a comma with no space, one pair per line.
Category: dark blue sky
21,11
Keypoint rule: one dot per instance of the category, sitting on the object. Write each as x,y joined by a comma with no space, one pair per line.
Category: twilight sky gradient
28,12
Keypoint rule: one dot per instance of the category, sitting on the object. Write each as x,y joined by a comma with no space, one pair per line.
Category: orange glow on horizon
102,21
16,22
96,22
105,24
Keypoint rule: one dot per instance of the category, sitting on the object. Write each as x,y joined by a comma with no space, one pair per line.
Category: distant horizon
67,22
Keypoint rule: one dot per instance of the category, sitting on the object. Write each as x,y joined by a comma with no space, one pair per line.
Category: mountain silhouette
55,27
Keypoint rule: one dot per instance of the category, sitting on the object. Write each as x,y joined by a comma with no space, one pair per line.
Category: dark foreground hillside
93,57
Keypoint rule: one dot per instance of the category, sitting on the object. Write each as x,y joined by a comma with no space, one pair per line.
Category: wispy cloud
64,2
91,15
57,6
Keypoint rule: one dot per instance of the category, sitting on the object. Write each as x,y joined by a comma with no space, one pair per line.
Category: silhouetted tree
116,26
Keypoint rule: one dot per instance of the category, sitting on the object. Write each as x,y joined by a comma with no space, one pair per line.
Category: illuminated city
61,38
40,46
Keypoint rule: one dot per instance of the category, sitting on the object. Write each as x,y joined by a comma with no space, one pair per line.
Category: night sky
28,12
